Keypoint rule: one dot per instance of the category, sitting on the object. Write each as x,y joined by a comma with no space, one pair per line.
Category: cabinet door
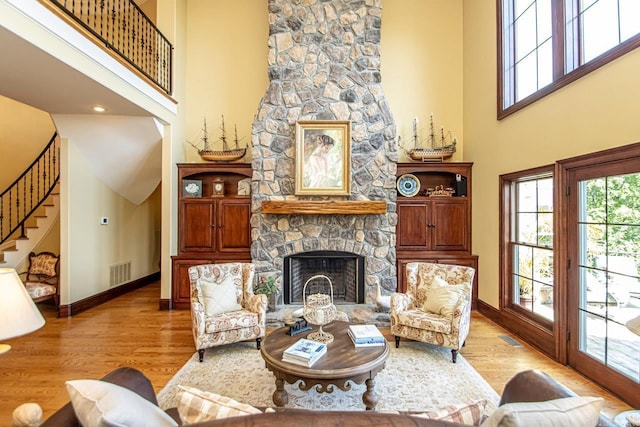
234,228
449,230
197,226
181,287
412,231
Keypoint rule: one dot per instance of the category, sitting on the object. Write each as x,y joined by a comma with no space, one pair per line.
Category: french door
603,280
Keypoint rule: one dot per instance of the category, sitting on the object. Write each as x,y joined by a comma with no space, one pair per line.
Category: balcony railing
125,29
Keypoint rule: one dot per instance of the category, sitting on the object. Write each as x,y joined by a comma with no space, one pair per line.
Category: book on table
364,335
304,352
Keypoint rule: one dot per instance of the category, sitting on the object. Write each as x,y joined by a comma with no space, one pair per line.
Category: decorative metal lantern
319,310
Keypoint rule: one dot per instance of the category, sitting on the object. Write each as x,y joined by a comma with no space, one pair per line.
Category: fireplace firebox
344,269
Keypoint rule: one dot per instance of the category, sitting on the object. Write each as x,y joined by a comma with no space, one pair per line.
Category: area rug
416,377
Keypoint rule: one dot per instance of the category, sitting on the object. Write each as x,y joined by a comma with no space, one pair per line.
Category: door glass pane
524,261
545,229
527,228
593,335
545,64
521,5
599,29
623,350
543,266
608,238
629,18
594,198
543,8
526,77
525,26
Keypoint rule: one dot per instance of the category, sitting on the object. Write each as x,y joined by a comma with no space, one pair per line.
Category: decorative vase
319,310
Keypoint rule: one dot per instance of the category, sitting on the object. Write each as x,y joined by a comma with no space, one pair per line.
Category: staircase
14,251
30,207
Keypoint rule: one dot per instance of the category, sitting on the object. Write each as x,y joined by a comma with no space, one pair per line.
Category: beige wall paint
421,54
596,112
131,235
24,132
226,67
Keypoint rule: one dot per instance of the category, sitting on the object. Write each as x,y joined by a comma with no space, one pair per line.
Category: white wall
131,235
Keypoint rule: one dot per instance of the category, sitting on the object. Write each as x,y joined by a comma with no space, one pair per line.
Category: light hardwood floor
131,331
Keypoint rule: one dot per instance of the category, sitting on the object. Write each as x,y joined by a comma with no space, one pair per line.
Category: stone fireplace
344,271
324,64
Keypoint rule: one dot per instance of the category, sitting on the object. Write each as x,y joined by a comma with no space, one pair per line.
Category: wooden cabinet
212,227
435,228
433,225
215,225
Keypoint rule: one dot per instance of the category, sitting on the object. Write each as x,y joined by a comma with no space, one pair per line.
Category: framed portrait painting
323,158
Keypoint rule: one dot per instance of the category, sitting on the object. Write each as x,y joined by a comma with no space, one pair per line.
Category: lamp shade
18,313
634,325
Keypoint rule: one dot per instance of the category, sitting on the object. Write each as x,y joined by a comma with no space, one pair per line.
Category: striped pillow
196,406
469,414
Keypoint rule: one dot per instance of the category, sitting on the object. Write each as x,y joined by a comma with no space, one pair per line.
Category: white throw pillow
566,411
102,404
196,406
443,299
220,297
438,282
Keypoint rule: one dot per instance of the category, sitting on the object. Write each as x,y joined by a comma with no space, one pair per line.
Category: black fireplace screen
344,269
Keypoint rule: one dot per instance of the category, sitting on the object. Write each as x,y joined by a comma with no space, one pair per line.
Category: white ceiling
33,77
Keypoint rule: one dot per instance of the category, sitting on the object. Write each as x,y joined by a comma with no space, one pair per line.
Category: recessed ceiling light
99,109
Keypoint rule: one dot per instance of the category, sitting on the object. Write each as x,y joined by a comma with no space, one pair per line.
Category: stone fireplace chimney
324,64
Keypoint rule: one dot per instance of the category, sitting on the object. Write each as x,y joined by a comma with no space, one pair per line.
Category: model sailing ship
226,154
436,147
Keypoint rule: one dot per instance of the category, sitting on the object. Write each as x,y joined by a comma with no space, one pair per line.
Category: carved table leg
280,396
370,397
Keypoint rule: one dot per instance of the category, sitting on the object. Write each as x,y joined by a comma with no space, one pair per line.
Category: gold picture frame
323,157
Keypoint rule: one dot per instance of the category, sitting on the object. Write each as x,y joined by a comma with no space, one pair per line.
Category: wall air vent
119,274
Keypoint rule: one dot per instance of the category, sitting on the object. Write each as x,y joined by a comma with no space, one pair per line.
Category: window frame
560,77
508,227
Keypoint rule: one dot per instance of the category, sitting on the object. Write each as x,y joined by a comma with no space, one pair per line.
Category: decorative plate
408,185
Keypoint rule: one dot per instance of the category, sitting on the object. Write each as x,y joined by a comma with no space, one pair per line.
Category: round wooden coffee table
342,363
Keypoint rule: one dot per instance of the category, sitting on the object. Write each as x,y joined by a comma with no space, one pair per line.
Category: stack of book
366,336
304,352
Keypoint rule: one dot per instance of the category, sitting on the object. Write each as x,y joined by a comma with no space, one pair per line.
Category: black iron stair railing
22,198
124,28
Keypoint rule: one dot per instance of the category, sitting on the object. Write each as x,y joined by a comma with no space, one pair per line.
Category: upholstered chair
42,277
224,308
436,307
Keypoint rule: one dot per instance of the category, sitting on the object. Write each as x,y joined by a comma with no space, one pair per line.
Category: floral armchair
224,308
436,307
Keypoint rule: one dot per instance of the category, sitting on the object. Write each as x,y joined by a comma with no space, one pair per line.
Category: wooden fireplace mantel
324,207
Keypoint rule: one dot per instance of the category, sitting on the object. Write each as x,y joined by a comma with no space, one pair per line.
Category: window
528,244
546,44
